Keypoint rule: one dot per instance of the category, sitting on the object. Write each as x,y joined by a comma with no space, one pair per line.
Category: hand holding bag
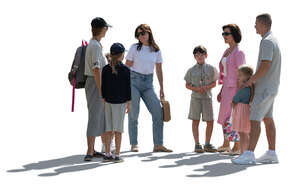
166,110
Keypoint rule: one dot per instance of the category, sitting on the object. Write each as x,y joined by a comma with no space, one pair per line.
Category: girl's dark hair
248,71
113,61
235,31
146,28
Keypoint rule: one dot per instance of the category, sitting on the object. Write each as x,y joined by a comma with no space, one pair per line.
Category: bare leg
254,135
195,130
271,132
118,140
108,141
103,138
244,141
236,146
90,143
209,130
226,143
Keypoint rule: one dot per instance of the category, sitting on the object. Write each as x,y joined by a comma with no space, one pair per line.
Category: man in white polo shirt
266,80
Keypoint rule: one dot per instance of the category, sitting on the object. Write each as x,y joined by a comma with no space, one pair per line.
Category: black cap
99,22
117,48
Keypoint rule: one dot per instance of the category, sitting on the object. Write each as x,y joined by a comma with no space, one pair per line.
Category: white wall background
38,42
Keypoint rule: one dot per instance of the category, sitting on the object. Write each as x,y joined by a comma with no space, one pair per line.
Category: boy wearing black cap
94,62
116,92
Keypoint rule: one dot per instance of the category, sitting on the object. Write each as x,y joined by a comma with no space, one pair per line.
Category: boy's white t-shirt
144,59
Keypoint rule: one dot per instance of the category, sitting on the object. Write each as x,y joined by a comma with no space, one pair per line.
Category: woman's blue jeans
142,87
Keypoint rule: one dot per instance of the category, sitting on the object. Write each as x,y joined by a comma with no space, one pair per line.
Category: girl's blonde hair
248,72
113,60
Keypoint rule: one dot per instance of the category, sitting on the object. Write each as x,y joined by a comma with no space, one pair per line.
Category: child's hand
200,90
205,88
128,107
232,104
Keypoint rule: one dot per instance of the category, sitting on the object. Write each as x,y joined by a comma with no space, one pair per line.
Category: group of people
246,97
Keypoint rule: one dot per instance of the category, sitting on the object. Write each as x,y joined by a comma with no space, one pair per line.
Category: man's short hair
265,19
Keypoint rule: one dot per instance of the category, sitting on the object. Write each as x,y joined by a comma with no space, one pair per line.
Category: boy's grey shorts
202,107
96,120
114,115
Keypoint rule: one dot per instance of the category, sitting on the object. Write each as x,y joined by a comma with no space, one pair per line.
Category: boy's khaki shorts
200,107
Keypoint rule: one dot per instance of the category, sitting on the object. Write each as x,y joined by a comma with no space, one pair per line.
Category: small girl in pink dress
241,107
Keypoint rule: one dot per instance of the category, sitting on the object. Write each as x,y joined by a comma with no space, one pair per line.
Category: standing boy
201,78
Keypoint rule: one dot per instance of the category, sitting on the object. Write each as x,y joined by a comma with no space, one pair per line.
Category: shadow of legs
200,159
219,169
70,160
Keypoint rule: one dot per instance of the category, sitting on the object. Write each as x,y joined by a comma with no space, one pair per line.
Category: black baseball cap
117,48
99,22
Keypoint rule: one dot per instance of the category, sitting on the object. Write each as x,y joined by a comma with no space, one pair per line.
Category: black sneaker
88,157
108,159
118,159
209,148
198,148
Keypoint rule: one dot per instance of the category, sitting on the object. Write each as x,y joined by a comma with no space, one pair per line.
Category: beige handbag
166,109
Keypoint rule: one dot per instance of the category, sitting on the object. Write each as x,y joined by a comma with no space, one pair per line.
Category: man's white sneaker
247,158
268,158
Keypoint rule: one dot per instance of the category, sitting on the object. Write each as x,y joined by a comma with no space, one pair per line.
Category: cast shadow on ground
68,164
169,156
215,170
197,160
75,163
220,169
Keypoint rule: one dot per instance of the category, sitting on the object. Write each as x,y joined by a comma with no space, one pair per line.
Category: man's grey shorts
202,107
262,106
114,116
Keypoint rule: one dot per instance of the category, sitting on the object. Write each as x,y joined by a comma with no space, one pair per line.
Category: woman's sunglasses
140,33
226,33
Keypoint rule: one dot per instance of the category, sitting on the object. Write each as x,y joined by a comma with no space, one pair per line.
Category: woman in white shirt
142,58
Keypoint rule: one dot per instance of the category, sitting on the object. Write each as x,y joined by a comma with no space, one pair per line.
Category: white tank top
224,60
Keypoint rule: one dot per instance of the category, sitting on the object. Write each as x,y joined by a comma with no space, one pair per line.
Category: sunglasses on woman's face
226,33
140,33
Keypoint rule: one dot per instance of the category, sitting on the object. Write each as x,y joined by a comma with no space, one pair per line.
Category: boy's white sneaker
268,158
247,158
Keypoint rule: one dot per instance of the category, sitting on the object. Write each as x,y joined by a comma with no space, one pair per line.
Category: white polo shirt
144,59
